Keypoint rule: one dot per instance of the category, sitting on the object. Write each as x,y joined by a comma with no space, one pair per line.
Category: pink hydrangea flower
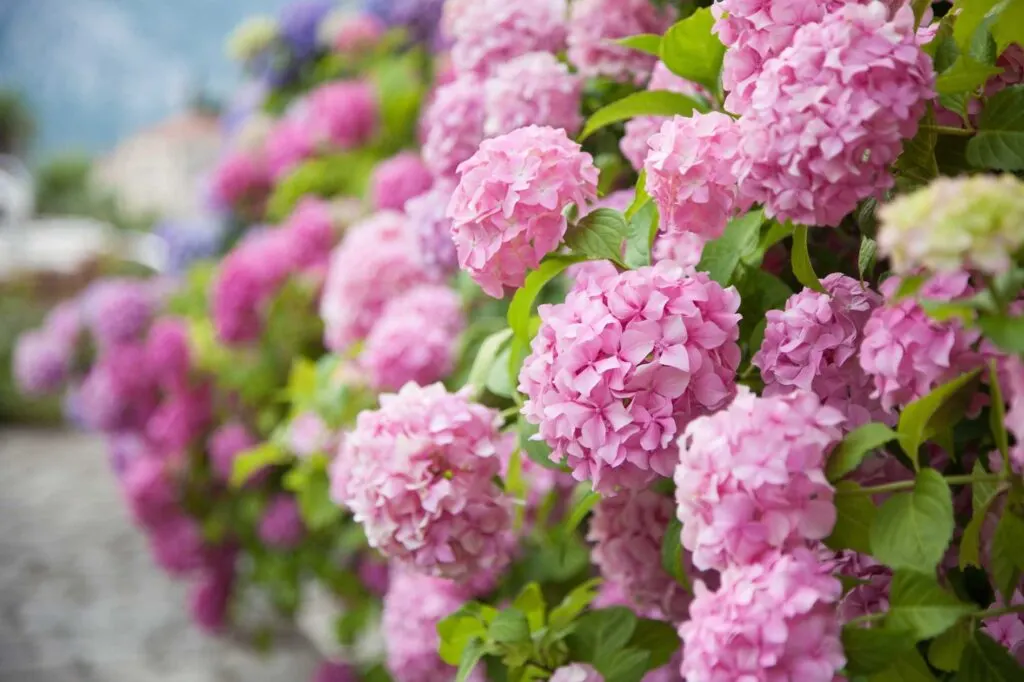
65,323
225,444
812,345
177,545
332,671
829,115
308,435
41,363
690,173
907,353
418,474
507,208
342,115
682,248
398,179
414,339
642,128
374,574
595,25
627,531
118,311
414,605
1011,380
210,594
535,88
432,227
619,368
289,143
182,417
167,352
750,478
576,672
772,620
281,526
149,489
119,393
453,125
307,235
376,261
1008,630
240,179
871,594
349,32
488,33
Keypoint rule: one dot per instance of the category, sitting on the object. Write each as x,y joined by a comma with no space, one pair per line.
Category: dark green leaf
919,604
982,496
946,650
645,42
599,235
997,414
940,409
657,638
1007,554
870,650
803,270
247,463
855,514
623,665
672,553
692,51
509,627
917,165
912,530
1004,331
760,292
999,143
536,449
579,511
643,103
521,308
908,667
986,661
602,631
848,455
867,257
966,75
574,604
721,256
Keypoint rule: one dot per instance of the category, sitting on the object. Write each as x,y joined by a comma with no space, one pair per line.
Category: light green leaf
672,553
867,257
657,638
870,650
486,357
918,603
1007,555
970,15
855,515
982,496
640,198
580,510
623,665
521,308
599,235
531,602
574,604
471,655
997,414
908,667
645,42
455,632
940,409
986,661
1005,331
249,462
643,229
644,103
848,455
946,650
912,530
908,287
602,631
721,256
966,75
690,49
509,627
999,142
803,270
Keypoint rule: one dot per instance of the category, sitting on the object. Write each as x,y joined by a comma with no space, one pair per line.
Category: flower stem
964,479
949,130
510,412
1001,611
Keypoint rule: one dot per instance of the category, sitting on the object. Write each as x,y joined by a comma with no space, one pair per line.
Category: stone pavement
80,600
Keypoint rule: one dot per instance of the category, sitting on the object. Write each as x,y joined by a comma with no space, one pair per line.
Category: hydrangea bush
648,340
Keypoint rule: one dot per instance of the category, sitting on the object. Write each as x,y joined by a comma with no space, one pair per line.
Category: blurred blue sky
94,70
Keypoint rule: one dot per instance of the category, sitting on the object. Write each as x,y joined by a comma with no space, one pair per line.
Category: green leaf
908,667
509,627
1007,554
867,257
672,553
602,631
657,638
740,239
855,515
317,508
521,308
986,661
499,379
999,142
917,165
530,601
946,650
940,409
971,14
623,665
645,42
803,270
248,463
486,357
574,604
690,49
920,6
997,415
848,455
966,75
599,235
1004,331
912,530
537,450
1004,17
982,496
643,229
644,103
1009,29
760,292
640,198
871,650
918,603
580,510
471,655
908,287
456,632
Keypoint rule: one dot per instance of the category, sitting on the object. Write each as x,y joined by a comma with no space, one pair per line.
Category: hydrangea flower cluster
398,179
750,479
507,210
288,144
418,474
595,25
281,526
813,345
642,128
828,116
428,219
453,125
241,180
341,115
347,32
576,672
618,370
42,359
488,33
534,89
972,223
119,311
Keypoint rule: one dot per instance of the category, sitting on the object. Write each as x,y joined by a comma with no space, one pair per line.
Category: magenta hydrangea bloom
682,248
627,531
488,33
772,620
453,125
241,178
690,173
751,478
1008,630
414,339
376,261
428,220
308,235
398,179
413,606
225,444
177,544
507,208
210,594
812,345
618,370
535,88
907,353
182,417
41,363
119,393
595,25
149,489
342,115
167,352
118,310
419,475
642,128
332,671
281,526
829,115
576,672
288,144
871,592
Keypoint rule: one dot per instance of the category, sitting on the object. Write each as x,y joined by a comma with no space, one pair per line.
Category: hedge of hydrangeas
596,340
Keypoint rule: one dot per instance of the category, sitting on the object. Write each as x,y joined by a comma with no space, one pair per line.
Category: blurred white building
160,168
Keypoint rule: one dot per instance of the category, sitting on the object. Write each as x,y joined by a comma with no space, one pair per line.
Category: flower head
488,33
398,179
119,393
507,208
642,128
453,125
349,32
289,143
428,220
210,594
118,310
299,24
41,363
535,88
282,526
183,416
619,368
251,37
1008,630
240,179
751,478
418,474
167,352
576,672
342,114
225,444
595,25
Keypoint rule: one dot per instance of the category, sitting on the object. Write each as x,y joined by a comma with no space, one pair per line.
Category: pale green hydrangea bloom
251,37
